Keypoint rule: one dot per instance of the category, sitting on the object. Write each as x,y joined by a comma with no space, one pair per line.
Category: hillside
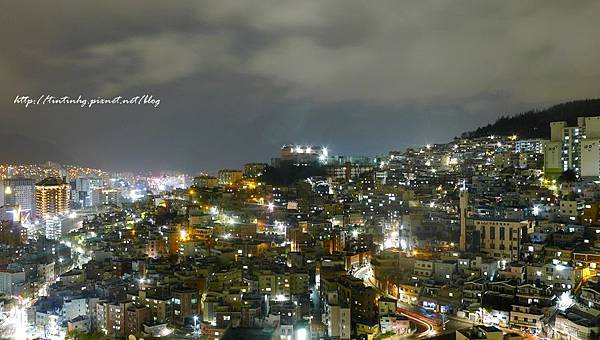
535,124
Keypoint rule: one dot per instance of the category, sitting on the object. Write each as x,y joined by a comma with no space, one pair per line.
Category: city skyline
299,170
237,81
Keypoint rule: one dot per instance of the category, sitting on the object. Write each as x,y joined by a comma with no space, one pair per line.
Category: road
14,323
426,327
427,323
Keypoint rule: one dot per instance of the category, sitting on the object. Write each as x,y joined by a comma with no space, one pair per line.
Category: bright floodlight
270,206
166,331
565,301
302,334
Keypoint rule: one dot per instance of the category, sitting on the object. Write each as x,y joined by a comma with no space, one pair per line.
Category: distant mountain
536,123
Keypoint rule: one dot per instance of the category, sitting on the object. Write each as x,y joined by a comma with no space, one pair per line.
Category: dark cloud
239,78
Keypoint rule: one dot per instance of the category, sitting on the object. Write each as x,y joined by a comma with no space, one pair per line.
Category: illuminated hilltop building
51,197
304,154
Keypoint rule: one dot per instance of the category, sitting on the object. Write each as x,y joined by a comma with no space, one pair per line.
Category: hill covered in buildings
536,123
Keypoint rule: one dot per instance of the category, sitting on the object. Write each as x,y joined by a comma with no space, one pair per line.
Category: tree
79,335
568,176
536,123
288,173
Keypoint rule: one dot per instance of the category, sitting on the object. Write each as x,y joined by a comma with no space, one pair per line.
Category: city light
302,334
135,195
403,244
166,331
437,208
565,301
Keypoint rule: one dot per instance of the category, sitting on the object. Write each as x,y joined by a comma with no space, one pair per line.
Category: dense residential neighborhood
473,238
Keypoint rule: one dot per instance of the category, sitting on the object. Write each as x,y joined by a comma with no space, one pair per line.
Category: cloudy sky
237,79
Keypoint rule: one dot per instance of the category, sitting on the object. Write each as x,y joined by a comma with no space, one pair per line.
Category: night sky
237,79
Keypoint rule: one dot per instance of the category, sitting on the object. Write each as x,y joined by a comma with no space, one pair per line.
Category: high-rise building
590,158
20,191
105,196
574,147
84,186
51,197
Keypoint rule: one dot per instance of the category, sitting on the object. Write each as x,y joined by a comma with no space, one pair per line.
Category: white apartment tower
574,147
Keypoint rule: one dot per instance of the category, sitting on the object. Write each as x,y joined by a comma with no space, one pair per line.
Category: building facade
51,197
